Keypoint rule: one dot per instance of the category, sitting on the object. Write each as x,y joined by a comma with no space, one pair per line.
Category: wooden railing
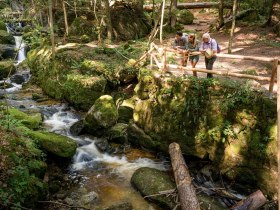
158,55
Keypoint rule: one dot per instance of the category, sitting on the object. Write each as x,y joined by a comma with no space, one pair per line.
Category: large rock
118,133
230,123
77,128
7,51
125,114
152,181
149,181
56,144
32,122
185,17
103,114
121,206
6,67
81,26
6,38
138,137
127,22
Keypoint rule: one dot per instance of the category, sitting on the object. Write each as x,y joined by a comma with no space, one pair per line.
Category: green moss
125,114
6,38
22,170
32,122
2,25
152,181
118,133
185,17
103,114
5,68
56,144
82,91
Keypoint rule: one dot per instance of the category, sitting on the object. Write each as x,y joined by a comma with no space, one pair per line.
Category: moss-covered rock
2,25
103,114
22,170
185,17
81,26
32,122
56,144
5,68
128,23
82,91
149,181
125,114
118,133
226,121
6,38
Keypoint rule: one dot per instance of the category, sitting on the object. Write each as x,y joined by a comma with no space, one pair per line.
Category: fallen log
252,202
186,190
197,5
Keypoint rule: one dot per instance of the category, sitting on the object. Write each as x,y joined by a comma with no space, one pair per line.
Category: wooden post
164,60
273,74
278,128
252,202
161,21
187,196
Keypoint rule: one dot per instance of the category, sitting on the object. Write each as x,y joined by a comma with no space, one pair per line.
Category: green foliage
36,37
21,163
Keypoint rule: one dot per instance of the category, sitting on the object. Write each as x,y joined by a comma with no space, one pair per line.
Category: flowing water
106,174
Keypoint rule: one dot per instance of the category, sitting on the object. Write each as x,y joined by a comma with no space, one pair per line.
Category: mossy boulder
6,38
138,137
118,133
32,122
103,114
128,23
56,144
149,181
128,73
5,68
83,27
185,17
226,121
2,25
125,114
82,91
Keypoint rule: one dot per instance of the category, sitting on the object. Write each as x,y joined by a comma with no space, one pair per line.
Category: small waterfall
20,46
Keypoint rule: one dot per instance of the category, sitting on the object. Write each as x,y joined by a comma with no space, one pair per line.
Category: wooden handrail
224,72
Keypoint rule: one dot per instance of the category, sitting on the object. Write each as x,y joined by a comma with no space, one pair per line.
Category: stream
103,177
107,176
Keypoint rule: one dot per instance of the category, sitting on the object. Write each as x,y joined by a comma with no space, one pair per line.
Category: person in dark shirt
179,45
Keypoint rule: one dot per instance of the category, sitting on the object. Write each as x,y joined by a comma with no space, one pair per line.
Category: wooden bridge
159,56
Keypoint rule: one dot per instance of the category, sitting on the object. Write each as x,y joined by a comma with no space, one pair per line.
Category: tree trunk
51,28
65,18
108,20
233,26
187,196
252,202
196,5
161,21
221,13
173,6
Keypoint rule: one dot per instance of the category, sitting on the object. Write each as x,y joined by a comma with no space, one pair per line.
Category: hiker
179,45
193,50
209,49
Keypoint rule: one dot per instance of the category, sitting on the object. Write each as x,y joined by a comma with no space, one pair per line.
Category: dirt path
248,40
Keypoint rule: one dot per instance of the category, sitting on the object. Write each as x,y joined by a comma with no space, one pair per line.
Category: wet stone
18,79
77,128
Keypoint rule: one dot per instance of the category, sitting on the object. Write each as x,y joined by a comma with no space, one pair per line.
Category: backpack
218,46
